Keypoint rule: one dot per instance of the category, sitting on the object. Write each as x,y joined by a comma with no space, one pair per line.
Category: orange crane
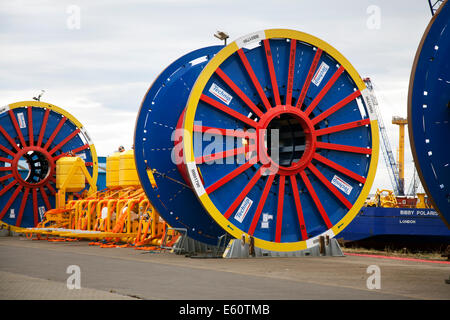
401,122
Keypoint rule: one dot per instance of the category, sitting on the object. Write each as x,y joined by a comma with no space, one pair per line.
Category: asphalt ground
39,270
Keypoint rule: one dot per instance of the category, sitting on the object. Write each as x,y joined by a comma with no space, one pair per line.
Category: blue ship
405,224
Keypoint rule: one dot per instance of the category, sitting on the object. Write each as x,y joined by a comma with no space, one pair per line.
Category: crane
397,169
386,149
401,122
434,5
414,184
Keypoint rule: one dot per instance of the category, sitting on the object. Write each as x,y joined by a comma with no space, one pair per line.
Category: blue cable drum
33,136
158,117
328,139
429,111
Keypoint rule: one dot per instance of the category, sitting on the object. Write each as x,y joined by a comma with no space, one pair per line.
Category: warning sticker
320,74
224,96
243,209
341,184
21,118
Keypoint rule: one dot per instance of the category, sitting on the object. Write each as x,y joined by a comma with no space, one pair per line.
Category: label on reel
341,184
196,182
257,36
21,118
224,96
320,74
243,209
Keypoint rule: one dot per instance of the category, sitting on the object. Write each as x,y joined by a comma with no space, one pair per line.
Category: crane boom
386,149
434,5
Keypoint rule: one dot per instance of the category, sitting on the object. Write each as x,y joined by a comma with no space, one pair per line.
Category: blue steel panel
429,111
160,111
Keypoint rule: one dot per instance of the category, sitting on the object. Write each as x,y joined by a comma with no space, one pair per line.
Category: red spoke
55,132
291,70
280,209
225,154
22,207
74,151
339,168
67,139
342,127
45,197
233,174
239,92
8,137
6,150
273,77
341,147
261,203
298,206
228,110
9,186
225,132
30,126
10,201
44,125
243,194
35,207
5,168
309,77
330,186
336,107
316,200
51,189
255,81
5,160
6,177
324,90
16,126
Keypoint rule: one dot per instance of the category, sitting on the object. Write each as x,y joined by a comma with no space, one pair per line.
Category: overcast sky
100,71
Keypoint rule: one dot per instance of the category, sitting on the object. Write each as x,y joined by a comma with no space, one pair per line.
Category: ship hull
397,223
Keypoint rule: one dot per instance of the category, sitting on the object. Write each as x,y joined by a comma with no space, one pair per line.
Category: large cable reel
33,136
313,182
429,111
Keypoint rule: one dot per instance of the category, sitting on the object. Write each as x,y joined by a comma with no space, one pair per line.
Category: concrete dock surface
39,270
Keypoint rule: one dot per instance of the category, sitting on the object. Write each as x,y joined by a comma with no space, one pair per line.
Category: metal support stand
196,249
239,249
